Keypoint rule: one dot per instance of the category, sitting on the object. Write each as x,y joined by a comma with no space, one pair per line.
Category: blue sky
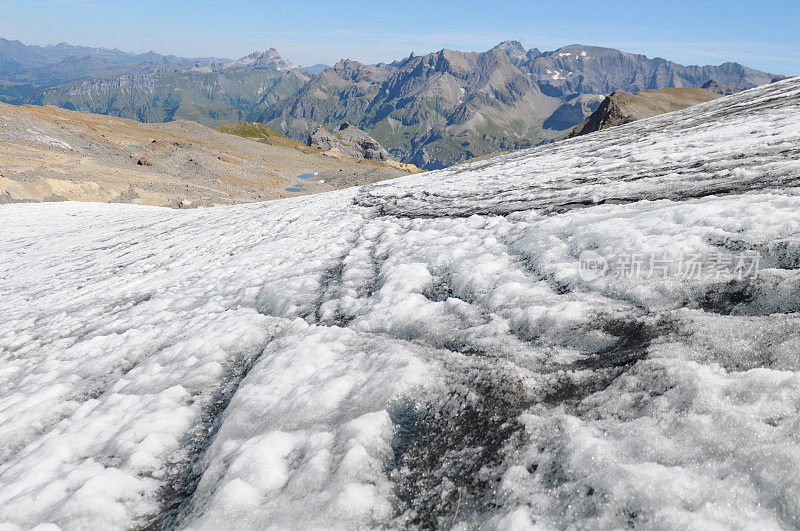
762,34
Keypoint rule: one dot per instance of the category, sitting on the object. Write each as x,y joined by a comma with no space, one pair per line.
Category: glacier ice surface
420,352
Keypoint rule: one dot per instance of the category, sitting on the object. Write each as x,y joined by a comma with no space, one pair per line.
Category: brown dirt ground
51,154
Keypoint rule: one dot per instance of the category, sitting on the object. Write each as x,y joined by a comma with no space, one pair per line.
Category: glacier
421,352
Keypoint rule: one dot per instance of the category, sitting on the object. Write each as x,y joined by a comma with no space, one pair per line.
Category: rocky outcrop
622,107
369,148
718,88
609,114
323,140
348,140
572,112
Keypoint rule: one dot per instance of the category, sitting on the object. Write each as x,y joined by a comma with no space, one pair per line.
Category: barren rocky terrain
51,154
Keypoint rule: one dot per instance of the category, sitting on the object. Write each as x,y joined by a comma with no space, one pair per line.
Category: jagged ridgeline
432,110
147,87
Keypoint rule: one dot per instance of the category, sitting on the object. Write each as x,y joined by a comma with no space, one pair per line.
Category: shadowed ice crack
447,451
186,469
633,339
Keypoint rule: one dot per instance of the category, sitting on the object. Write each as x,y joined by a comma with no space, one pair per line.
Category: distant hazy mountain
211,93
448,106
315,69
18,60
45,66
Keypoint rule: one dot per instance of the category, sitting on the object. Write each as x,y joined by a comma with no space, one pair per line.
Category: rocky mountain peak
344,65
269,59
313,70
513,49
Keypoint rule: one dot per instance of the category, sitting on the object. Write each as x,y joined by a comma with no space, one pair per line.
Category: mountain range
28,68
445,107
211,93
432,110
